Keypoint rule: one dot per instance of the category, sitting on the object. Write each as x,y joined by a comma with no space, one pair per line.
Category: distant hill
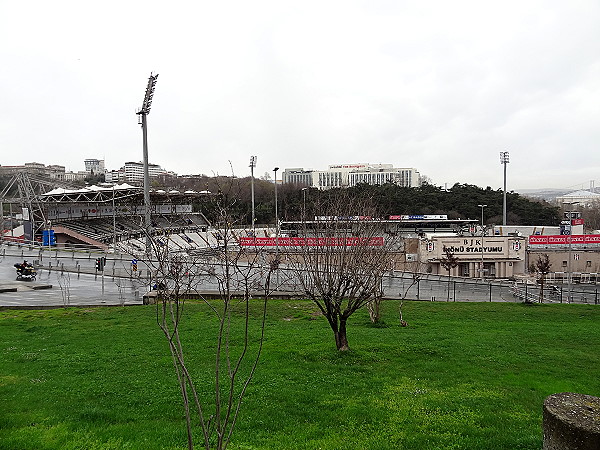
544,194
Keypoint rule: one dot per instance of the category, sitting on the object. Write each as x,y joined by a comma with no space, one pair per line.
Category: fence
455,289
396,285
76,260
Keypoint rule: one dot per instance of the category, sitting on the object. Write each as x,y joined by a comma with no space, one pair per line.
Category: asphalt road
55,287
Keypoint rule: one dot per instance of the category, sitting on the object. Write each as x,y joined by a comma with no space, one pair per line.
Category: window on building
564,264
464,269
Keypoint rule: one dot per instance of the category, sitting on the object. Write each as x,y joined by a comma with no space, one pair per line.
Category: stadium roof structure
91,194
102,194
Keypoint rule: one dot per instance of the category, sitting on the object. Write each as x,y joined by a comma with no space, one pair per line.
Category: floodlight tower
504,161
142,113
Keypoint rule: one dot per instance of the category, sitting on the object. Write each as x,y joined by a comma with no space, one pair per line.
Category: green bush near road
460,376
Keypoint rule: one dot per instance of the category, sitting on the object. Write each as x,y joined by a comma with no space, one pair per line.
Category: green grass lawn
461,376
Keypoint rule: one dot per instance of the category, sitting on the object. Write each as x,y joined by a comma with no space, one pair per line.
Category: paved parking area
54,288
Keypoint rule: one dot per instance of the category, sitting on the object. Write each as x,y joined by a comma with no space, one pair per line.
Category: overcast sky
441,86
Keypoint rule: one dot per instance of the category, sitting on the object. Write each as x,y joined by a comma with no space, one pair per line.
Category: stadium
101,218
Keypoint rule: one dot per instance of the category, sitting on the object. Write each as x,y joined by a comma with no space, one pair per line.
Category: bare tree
374,308
416,273
340,259
542,268
403,322
591,213
64,282
238,276
449,261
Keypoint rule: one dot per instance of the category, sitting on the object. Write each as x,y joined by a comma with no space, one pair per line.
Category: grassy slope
461,376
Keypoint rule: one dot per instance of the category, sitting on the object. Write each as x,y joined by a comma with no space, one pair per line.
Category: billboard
420,217
310,242
581,239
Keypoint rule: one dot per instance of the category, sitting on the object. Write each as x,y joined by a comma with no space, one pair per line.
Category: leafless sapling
542,269
449,261
236,277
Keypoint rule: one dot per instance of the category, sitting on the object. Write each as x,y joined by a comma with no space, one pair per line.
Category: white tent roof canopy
94,188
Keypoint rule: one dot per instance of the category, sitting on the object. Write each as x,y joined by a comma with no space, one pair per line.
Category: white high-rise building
347,175
298,176
133,173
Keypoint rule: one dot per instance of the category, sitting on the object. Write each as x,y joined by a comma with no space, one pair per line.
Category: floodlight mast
142,113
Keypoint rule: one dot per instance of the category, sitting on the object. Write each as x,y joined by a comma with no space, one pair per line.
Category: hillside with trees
460,201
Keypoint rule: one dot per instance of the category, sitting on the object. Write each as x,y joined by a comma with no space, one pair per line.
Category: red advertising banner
310,242
577,222
564,240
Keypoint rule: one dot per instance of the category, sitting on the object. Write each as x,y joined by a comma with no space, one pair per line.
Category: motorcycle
25,272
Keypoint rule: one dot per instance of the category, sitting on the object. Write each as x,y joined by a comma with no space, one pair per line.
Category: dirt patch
315,315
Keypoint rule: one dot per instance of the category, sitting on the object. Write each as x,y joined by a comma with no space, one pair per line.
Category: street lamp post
304,203
252,166
504,160
2,224
481,268
276,227
276,216
569,270
114,220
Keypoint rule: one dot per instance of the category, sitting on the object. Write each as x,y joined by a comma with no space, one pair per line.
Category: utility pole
143,113
504,160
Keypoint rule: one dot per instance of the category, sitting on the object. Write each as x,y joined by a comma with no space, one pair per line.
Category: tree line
458,202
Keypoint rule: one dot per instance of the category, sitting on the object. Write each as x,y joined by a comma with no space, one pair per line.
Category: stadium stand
101,217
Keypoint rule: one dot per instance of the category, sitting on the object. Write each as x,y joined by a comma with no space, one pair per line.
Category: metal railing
395,285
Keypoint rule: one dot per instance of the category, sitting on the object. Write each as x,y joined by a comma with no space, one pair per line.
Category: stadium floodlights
147,103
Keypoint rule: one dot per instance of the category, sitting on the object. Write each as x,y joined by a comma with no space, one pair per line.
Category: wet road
55,287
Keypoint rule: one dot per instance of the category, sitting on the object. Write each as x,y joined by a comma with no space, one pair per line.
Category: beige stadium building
477,256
